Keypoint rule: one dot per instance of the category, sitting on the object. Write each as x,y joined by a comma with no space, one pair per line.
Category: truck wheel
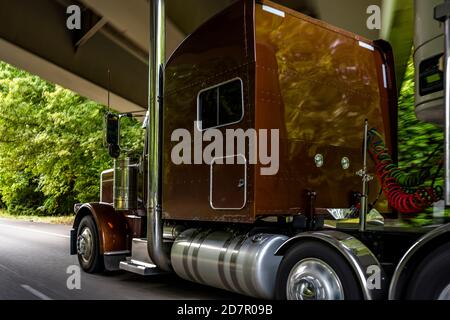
314,271
88,249
431,280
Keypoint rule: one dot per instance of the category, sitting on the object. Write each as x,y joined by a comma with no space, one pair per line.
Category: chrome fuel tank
125,189
234,262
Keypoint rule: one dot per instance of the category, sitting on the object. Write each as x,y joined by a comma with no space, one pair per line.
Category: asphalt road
34,259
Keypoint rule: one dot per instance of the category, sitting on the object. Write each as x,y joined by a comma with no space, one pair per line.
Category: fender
360,258
113,230
414,256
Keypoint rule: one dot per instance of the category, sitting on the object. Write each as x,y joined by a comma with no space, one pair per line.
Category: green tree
51,145
416,140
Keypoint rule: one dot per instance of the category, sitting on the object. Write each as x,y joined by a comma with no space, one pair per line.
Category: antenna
109,90
108,114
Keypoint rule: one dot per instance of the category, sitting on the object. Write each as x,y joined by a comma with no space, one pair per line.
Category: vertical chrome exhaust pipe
155,135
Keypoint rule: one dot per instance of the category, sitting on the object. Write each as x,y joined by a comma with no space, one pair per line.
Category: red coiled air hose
410,199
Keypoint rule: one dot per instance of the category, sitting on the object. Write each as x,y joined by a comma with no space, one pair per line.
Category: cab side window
221,105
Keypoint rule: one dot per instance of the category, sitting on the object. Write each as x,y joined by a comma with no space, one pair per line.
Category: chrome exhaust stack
155,107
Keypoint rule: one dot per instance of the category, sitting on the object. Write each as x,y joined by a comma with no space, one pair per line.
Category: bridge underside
114,36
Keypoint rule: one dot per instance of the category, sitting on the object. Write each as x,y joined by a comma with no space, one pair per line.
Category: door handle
241,183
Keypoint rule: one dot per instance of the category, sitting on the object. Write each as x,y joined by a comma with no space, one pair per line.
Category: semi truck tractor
269,167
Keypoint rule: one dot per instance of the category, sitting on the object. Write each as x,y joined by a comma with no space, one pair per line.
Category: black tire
317,250
431,276
94,262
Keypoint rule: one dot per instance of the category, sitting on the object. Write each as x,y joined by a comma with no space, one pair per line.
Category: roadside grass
66,220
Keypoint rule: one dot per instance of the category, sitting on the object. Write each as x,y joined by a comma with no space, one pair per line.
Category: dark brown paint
312,81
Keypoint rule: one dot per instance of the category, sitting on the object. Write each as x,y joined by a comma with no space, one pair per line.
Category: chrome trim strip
366,46
194,259
117,253
355,252
101,181
383,66
108,171
211,177
273,11
410,253
222,263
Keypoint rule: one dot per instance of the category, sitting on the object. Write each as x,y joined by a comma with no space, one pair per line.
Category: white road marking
36,293
36,231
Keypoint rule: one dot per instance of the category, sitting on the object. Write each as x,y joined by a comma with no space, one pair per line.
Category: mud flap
73,241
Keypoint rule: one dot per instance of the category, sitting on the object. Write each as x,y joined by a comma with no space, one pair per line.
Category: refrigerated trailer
309,219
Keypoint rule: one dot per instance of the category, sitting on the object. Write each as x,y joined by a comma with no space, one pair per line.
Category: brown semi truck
308,109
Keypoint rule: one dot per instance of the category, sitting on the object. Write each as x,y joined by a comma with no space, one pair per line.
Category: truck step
141,268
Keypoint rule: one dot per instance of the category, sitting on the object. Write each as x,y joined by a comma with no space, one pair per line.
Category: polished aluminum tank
238,263
125,190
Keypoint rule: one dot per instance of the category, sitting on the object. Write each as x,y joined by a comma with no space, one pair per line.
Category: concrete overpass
114,36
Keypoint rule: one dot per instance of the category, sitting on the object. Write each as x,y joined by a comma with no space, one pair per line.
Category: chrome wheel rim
85,245
445,294
313,279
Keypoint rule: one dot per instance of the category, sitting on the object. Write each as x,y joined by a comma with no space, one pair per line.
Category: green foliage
51,145
416,140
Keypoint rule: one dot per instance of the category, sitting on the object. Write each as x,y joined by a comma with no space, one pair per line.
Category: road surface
34,259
